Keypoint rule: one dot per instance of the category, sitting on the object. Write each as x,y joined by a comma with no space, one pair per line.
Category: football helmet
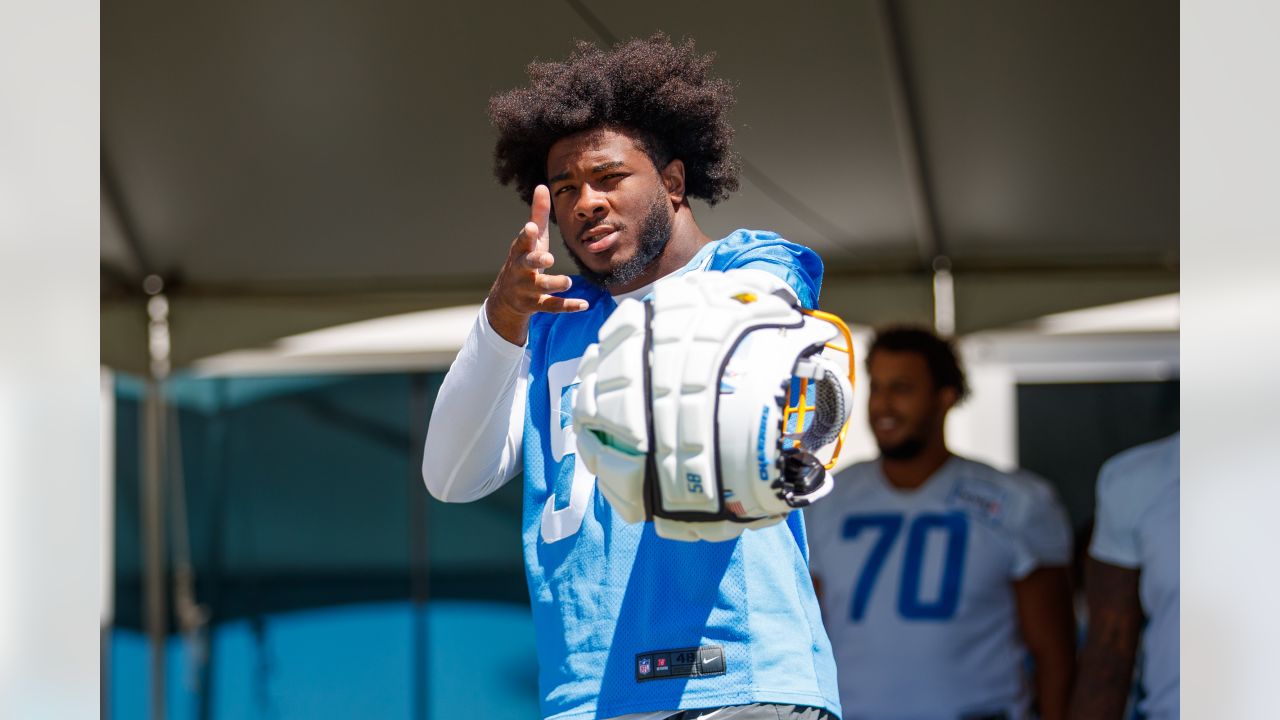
714,405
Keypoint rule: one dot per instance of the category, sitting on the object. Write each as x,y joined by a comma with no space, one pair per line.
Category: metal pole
152,496
108,569
419,551
152,500
944,297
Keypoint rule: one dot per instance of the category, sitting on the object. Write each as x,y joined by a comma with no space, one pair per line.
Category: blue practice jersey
626,621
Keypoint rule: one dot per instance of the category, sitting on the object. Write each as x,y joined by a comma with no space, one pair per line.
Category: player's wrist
508,322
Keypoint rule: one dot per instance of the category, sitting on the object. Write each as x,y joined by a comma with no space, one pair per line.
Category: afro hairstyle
659,91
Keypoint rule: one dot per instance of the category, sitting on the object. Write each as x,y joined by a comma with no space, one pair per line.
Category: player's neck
911,473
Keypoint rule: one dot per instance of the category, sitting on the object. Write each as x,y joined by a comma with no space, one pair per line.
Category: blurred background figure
1132,577
938,574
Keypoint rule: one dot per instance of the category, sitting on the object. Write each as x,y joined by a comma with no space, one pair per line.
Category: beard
905,450
915,442
652,237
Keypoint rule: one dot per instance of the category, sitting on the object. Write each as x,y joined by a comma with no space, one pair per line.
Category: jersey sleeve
473,443
796,265
1042,533
1114,530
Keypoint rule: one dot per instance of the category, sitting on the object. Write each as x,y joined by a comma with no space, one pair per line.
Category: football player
1132,572
611,146
937,573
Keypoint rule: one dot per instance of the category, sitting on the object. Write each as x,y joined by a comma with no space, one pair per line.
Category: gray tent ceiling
286,166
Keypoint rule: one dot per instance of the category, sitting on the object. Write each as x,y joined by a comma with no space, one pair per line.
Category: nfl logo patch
644,666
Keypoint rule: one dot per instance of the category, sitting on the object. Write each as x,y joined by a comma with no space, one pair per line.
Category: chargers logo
980,499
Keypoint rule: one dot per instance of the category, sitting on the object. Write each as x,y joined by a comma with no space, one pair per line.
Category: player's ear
948,397
673,180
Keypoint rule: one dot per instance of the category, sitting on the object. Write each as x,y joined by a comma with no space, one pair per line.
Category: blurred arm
1047,621
477,424
1105,675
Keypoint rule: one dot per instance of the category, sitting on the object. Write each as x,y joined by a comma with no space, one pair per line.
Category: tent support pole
151,498
153,540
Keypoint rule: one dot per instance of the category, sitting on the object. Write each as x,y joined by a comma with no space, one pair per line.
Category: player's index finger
527,239
540,215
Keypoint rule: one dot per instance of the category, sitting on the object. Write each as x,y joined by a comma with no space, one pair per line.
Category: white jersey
1137,527
917,592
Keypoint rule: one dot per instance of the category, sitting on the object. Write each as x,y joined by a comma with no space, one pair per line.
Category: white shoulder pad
679,407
